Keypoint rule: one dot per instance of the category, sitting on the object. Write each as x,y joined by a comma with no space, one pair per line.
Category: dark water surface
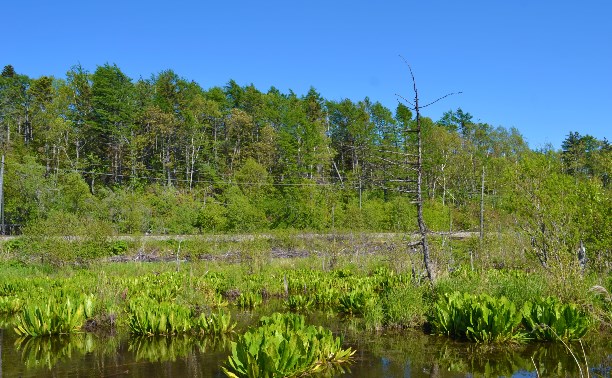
392,354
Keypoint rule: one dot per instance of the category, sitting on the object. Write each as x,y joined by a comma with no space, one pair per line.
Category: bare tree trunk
419,168
419,201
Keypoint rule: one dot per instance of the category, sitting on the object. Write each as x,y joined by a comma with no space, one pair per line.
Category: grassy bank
371,278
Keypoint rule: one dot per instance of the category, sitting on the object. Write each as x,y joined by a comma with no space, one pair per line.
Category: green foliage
66,237
249,300
242,214
297,302
283,346
149,317
355,302
403,306
214,324
13,246
60,315
326,297
10,304
479,318
211,218
550,319
119,247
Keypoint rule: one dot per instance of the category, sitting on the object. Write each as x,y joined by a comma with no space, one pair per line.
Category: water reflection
400,354
162,349
39,352
413,354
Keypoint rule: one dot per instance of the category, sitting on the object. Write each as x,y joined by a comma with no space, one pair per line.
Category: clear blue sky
544,67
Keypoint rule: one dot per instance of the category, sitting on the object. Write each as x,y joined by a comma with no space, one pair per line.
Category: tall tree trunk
419,201
419,190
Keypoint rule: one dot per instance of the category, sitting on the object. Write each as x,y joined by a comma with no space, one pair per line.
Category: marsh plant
214,324
549,319
298,302
284,346
10,304
249,300
478,318
149,317
355,302
59,315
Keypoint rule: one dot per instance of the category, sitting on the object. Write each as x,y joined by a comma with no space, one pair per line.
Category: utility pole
2,227
482,188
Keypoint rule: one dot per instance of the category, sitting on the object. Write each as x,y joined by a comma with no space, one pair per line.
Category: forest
102,153
247,233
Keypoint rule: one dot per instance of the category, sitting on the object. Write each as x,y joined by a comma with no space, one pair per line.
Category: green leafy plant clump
478,318
59,315
10,304
215,324
284,346
482,318
549,319
298,302
149,317
249,300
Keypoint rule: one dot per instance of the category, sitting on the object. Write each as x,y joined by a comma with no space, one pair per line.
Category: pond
390,354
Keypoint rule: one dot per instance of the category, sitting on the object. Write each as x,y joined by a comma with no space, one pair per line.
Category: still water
392,354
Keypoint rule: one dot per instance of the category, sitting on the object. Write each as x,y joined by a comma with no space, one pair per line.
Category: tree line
164,154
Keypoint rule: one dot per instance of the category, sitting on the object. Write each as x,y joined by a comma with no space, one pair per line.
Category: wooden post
482,205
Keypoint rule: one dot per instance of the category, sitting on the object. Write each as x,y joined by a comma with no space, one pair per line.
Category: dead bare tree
418,167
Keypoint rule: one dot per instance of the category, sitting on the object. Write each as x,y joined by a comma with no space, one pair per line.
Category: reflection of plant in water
480,359
164,348
161,348
556,360
48,351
